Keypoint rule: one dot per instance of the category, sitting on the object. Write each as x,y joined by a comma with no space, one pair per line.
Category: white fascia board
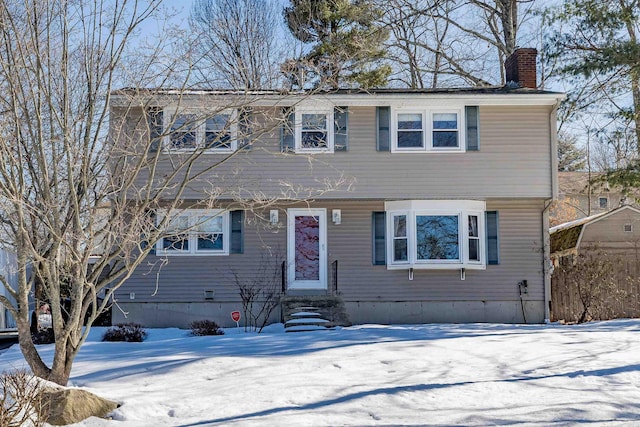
364,100
412,100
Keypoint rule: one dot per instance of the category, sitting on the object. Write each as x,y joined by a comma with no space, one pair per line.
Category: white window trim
424,131
427,128
459,114
413,208
328,112
193,233
169,115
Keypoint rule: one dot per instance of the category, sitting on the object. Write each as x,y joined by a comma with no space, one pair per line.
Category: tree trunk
634,75
509,17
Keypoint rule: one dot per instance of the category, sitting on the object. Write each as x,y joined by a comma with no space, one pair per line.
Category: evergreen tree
597,48
347,44
571,158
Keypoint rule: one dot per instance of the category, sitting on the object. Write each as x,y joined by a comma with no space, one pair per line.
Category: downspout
546,241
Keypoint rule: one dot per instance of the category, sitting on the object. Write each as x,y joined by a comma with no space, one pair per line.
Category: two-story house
412,205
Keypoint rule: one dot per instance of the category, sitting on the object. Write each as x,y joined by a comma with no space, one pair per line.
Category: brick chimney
520,67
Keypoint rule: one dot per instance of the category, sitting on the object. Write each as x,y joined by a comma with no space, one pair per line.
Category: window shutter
473,138
493,246
287,134
340,123
379,238
383,121
237,240
244,129
155,124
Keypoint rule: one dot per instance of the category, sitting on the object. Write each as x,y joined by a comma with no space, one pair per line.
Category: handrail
283,276
334,276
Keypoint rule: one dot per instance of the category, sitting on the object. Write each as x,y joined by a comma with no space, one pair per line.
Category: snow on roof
576,222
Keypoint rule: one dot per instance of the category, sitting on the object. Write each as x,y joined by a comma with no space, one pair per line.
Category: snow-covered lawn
369,375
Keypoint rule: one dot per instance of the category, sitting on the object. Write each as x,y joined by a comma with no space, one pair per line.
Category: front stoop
317,312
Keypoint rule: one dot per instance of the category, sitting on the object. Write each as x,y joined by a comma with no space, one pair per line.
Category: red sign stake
235,316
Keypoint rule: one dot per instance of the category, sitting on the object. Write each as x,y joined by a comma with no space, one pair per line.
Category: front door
307,248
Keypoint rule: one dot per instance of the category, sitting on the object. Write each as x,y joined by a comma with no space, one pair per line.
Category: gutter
546,240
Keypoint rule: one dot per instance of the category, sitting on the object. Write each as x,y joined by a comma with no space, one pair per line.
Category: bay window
437,234
400,247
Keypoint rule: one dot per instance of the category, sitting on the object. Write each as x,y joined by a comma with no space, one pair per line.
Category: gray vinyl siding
514,161
184,279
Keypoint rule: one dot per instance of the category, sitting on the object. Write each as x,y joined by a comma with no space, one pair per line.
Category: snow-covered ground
487,374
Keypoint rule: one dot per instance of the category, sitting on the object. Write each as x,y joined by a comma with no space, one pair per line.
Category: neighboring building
8,270
612,238
445,219
615,232
583,198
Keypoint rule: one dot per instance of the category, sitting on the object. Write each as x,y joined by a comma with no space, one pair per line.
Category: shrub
21,400
205,327
43,336
129,332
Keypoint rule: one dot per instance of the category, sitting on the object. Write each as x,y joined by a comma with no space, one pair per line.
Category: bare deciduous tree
238,43
83,171
453,42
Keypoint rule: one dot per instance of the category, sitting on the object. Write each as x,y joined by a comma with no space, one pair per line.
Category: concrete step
305,321
307,328
314,307
305,314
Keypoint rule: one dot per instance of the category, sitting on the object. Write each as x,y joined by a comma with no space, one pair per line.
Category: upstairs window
183,132
410,131
217,132
427,130
445,130
187,131
314,130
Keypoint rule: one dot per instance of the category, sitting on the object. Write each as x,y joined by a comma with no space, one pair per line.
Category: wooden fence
618,298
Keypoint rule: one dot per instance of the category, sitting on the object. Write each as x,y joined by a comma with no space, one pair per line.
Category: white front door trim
321,281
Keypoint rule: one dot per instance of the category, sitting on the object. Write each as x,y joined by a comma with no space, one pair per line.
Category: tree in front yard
83,175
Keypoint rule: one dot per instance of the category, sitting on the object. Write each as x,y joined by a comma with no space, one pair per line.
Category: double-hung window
410,130
188,131
445,130
217,132
183,132
437,234
428,130
314,130
196,232
400,240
